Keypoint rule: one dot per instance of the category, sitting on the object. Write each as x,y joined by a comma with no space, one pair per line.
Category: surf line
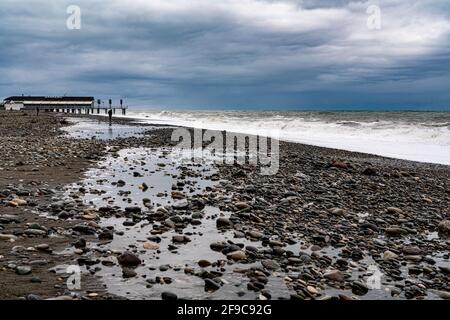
200,311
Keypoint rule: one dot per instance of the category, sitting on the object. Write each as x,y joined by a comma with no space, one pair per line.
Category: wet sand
156,227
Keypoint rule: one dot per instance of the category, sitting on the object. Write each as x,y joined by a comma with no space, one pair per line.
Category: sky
231,54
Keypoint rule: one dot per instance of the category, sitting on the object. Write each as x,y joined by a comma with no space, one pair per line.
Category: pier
86,110
86,105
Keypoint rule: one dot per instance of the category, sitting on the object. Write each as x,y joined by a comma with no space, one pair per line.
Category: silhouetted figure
110,116
37,111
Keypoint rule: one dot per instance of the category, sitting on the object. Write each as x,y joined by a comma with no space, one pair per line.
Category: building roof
42,98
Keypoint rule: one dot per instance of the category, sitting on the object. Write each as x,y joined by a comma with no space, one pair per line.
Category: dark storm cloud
230,53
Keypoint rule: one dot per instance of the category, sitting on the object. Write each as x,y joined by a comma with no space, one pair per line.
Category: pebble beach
140,223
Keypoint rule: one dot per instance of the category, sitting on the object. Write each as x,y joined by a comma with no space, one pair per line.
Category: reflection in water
163,174
88,129
160,172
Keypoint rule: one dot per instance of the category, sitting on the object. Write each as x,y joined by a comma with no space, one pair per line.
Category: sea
408,135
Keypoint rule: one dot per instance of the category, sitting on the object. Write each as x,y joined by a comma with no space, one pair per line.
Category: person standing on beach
110,116
37,111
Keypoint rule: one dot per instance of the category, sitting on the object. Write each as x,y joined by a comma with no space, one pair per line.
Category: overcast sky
218,54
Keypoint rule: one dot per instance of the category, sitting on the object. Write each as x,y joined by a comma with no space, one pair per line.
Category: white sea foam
417,136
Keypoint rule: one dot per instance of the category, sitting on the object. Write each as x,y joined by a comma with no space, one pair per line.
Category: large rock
129,259
35,232
106,235
334,275
80,243
23,270
337,211
89,214
412,250
133,210
237,255
150,245
168,296
241,205
204,263
211,285
180,204
120,183
43,247
389,255
270,264
83,228
223,223
7,237
8,218
444,227
128,273
394,210
312,290
178,195
218,246
413,258
162,210
180,239
255,234
339,164
359,288
442,294
17,202
395,231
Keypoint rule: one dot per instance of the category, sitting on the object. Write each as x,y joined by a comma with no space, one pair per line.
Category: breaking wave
417,136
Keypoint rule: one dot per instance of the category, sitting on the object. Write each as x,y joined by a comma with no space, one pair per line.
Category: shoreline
343,152
305,176
422,137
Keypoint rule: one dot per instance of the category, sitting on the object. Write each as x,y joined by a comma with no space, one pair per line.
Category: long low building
47,103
